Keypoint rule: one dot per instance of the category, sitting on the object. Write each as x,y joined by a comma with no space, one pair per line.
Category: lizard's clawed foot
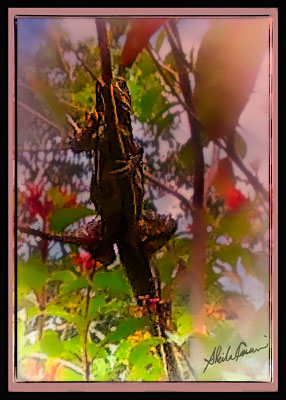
128,165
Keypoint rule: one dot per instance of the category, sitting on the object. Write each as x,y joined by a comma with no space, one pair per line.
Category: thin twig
39,115
88,70
86,362
73,124
166,79
168,189
57,42
76,355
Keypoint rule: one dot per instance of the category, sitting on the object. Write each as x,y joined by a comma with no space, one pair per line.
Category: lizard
117,174
117,194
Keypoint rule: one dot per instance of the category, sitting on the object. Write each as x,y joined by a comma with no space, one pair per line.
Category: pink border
146,386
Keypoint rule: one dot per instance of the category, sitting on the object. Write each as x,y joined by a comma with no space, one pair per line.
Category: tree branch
39,115
106,70
198,198
199,249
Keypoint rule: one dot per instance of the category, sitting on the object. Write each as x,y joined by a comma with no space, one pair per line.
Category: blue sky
30,33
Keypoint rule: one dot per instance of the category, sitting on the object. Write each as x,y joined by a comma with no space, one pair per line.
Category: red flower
190,228
35,204
84,261
235,199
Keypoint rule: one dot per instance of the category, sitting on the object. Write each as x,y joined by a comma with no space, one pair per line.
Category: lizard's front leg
127,166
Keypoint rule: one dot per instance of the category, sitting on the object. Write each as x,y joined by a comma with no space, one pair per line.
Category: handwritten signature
218,356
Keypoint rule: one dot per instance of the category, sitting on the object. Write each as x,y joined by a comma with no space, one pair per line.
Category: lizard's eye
122,85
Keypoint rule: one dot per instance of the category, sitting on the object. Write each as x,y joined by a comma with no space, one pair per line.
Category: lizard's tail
66,238
137,268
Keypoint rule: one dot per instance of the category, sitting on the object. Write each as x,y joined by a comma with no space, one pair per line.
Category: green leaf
183,246
73,344
164,124
101,369
74,285
57,310
149,369
64,217
230,254
186,155
249,261
240,145
146,64
211,276
123,350
47,94
160,39
234,225
147,103
32,274
95,305
32,311
58,198
143,348
134,89
66,277
69,375
126,327
165,266
94,349
113,281
183,322
51,345
170,60
146,367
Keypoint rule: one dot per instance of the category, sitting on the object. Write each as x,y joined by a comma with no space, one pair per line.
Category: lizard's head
121,96
122,100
